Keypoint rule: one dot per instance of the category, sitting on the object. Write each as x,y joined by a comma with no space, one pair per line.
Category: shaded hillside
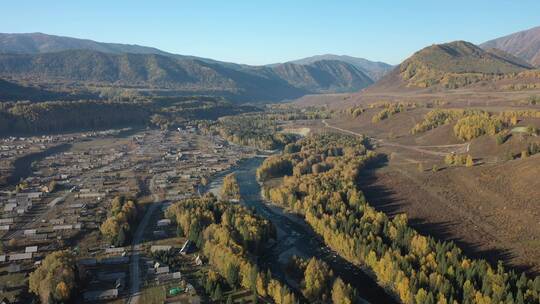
323,76
375,70
63,116
524,44
452,65
151,71
10,91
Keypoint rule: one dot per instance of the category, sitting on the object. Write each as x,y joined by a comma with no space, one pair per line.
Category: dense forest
413,267
62,116
231,237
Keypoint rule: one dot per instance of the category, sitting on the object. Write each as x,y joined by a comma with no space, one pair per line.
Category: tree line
413,267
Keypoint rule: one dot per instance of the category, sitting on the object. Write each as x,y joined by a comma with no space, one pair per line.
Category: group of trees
439,117
230,189
231,237
119,225
274,167
285,112
534,99
471,124
532,149
388,111
249,130
509,115
459,160
54,281
416,268
354,111
502,137
521,86
319,283
475,125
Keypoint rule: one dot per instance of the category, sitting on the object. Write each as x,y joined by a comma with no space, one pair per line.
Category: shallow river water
295,237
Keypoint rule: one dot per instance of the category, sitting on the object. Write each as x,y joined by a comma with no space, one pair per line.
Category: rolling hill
453,65
524,44
375,70
184,75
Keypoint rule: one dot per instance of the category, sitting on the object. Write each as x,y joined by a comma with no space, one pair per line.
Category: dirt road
456,148
134,293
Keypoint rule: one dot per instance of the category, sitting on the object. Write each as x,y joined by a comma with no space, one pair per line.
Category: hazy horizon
277,31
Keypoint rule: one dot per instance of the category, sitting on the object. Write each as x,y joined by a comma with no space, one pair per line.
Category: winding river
295,237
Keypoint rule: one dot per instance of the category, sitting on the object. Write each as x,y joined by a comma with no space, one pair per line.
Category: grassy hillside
456,64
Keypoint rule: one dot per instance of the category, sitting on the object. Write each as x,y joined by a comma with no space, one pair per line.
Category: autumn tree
342,293
414,267
54,280
316,279
119,224
469,162
230,189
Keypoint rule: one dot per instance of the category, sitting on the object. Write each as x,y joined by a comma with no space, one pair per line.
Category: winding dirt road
458,148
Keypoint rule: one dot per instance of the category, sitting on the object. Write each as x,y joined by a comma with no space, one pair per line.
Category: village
67,196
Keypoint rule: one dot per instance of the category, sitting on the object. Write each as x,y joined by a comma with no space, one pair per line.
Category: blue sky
262,32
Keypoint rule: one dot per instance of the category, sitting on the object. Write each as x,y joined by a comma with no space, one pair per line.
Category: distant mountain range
524,44
42,58
375,70
453,65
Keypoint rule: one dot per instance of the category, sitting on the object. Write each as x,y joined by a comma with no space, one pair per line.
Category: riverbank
295,237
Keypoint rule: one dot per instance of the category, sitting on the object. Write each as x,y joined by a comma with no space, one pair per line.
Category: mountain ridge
374,69
523,44
452,65
154,71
